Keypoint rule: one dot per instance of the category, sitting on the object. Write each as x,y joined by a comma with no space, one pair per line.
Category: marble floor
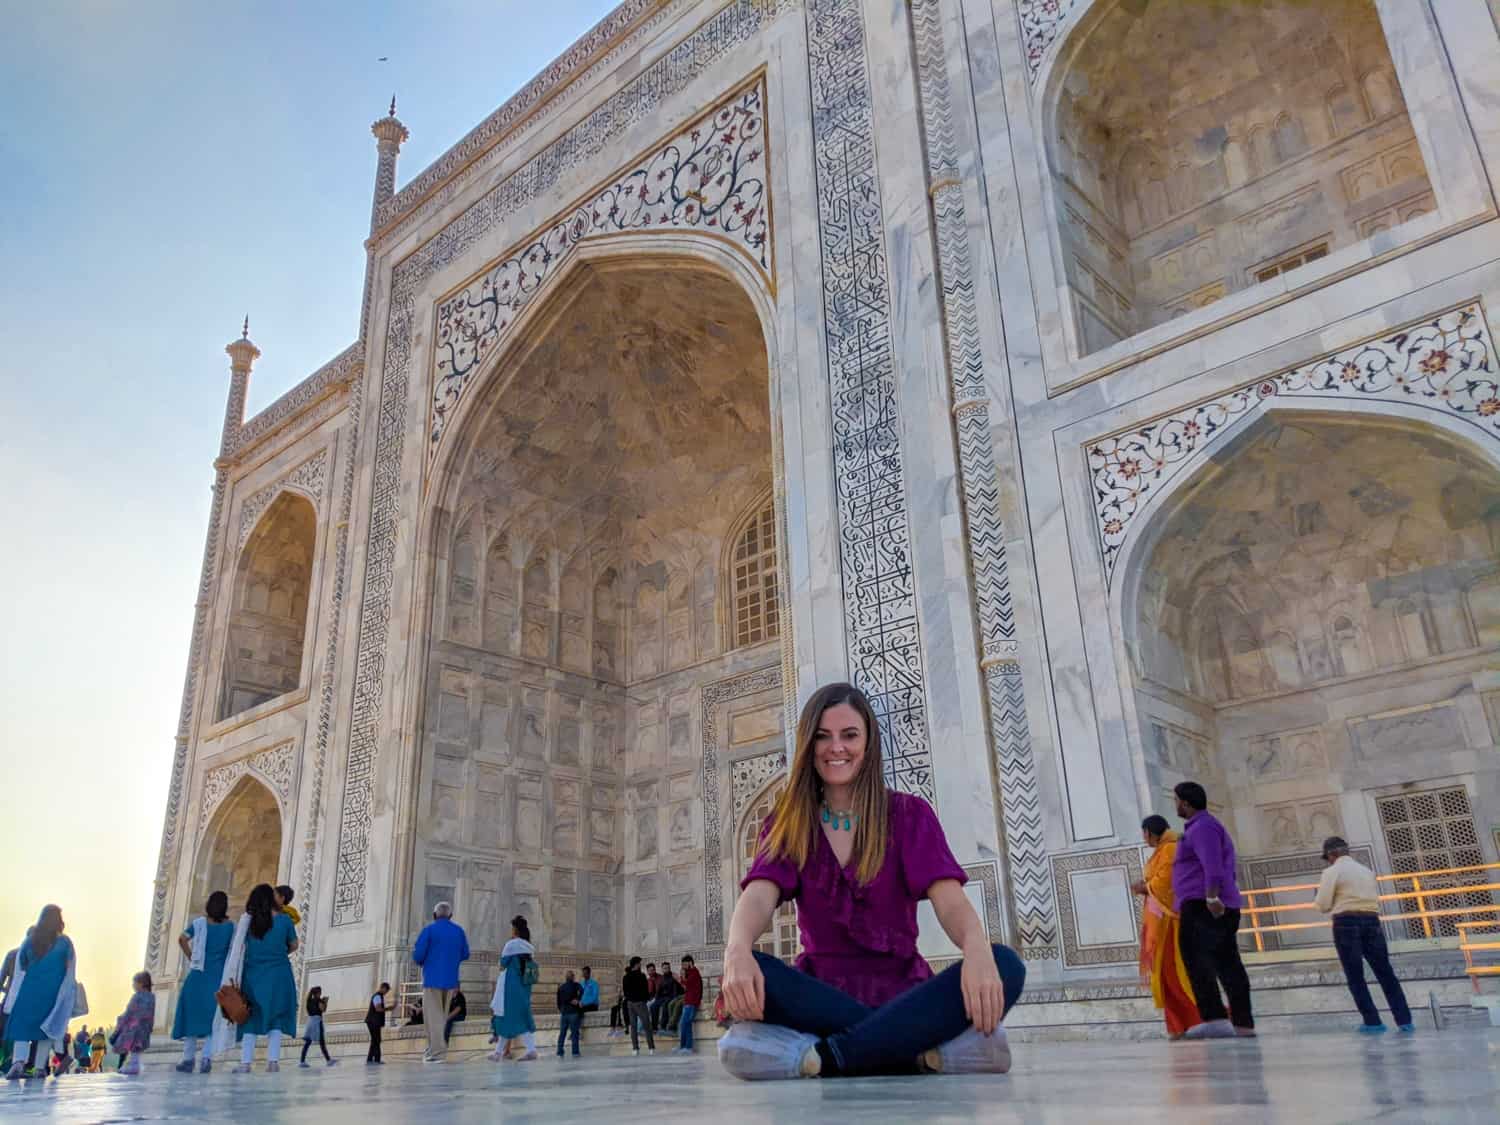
1453,1076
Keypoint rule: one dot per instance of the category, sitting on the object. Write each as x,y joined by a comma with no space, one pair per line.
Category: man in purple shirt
1208,901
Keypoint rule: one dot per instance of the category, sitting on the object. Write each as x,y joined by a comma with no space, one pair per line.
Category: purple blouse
863,939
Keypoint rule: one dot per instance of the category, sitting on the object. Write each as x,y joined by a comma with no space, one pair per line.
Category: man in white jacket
1349,892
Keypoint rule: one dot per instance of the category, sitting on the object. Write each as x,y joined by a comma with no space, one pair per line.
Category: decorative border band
1445,363
710,177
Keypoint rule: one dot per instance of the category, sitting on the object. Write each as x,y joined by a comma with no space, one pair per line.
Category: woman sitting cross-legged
857,857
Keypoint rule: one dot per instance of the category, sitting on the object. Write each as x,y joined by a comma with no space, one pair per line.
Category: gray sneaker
764,1051
1213,1029
974,1053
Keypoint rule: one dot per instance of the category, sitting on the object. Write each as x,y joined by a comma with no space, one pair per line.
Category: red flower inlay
1434,362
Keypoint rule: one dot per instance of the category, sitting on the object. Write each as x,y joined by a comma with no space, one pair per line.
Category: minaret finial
393,105
245,331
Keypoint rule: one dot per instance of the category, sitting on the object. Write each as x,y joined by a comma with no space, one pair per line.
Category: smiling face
839,745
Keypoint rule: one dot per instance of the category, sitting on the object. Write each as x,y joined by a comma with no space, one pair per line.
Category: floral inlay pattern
711,176
1041,20
275,767
1446,363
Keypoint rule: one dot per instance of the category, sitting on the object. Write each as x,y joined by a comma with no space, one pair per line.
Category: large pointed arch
613,513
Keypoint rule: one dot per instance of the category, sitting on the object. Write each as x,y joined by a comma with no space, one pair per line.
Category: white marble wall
1045,403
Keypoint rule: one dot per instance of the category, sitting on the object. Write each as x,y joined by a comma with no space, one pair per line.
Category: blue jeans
884,1040
685,1026
570,1023
1359,938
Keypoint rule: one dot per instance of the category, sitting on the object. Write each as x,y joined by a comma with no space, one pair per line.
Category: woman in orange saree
1162,966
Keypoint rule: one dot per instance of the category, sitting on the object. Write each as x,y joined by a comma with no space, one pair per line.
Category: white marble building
1106,386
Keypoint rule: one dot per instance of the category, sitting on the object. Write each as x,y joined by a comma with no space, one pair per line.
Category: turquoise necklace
837,820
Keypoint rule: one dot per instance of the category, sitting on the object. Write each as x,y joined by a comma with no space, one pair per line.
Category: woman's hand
984,995
743,984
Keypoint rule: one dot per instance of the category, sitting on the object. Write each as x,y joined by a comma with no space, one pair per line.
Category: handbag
532,974
233,1004
80,1000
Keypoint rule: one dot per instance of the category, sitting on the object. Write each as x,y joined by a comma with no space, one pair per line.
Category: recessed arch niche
240,847
268,614
1304,617
594,480
1196,150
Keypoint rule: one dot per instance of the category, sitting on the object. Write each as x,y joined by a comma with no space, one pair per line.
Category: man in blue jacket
441,948
589,1001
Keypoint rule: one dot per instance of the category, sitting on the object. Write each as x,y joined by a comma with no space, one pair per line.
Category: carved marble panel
1101,919
1408,731
715,696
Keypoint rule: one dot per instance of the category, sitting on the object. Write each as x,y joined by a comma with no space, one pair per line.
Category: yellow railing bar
1403,917
1426,892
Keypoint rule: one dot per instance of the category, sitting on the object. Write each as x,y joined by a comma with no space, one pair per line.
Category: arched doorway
1199,149
268,618
588,498
1306,624
241,846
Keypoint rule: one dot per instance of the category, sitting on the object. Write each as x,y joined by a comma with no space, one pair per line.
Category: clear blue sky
167,167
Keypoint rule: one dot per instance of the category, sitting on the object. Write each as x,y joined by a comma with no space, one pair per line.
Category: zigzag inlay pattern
1031,884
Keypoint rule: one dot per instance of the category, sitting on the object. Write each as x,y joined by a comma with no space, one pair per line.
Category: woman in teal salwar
205,943
40,1002
512,1000
262,967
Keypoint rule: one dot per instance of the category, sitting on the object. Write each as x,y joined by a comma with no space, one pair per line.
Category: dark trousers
322,1045
881,1040
570,1025
1360,938
374,1055
1212,957
640,1018
619,1015
448,1027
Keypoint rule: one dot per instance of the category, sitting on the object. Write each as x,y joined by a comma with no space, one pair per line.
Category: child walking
133,1031
317,1004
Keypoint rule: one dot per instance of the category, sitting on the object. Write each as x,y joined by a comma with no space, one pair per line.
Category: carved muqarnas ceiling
641,409
1323,548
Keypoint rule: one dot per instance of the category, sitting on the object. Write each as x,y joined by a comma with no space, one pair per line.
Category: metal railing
1417,899
1467,931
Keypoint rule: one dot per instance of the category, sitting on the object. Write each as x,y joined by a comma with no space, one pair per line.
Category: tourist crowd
855,856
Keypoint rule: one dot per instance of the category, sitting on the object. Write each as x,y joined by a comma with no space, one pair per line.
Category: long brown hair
794,821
